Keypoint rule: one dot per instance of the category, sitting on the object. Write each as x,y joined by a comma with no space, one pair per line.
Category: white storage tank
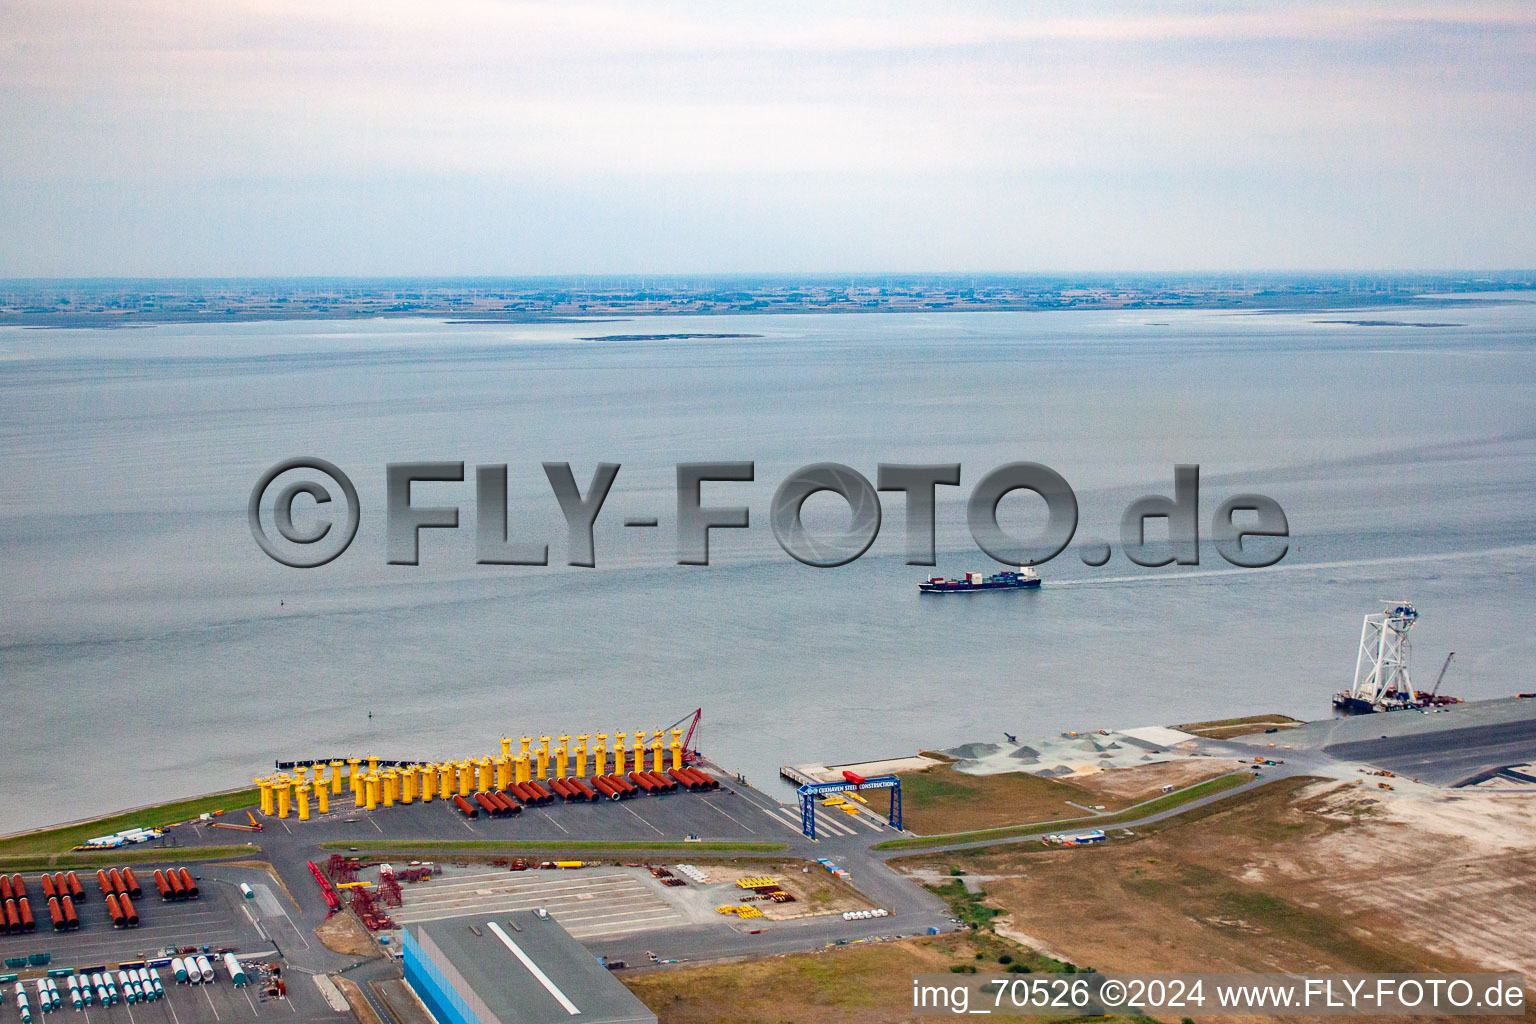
236,972
205,969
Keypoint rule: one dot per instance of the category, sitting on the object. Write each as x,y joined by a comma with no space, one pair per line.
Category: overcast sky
154,137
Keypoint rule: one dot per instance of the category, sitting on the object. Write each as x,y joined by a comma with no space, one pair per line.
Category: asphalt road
1449,757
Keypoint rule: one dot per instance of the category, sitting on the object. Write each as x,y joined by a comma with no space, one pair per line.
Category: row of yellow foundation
283,795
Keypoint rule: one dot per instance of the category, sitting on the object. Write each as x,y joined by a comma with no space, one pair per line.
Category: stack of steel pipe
623,786
530,793
606,788
643,781
664,783
683,780
468,808
566,789
490,804
582,791
705,781
509,806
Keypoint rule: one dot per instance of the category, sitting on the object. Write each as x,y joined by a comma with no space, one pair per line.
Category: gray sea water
149,650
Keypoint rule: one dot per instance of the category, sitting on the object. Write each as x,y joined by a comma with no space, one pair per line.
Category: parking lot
258,929
216,919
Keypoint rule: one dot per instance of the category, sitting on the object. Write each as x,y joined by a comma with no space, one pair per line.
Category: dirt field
1121,787
344,933
940,800
862,984
1458,872
1302,875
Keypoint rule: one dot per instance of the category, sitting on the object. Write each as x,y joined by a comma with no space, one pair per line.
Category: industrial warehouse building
512,968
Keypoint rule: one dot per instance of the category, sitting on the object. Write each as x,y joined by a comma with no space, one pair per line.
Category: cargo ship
974,582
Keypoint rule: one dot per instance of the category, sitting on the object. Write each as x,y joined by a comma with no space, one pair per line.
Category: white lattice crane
1381,669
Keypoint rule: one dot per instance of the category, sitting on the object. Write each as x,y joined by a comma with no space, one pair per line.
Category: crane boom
1441,677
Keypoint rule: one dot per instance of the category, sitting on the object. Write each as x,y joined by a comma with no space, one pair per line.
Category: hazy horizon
166,139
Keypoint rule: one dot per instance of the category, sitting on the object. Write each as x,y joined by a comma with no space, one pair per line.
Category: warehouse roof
527,969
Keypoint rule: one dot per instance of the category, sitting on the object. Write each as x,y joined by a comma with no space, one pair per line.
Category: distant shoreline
476,302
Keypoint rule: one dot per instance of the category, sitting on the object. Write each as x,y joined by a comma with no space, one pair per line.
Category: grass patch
121,856
860,983
554,845
1224,728
64,837
966,905
1141,810
940,800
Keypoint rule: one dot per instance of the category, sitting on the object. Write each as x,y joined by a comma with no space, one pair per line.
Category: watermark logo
304,550
1248,530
